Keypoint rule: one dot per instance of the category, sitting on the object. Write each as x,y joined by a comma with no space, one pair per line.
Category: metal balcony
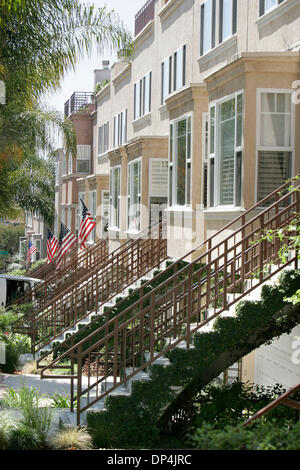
80,102
143,16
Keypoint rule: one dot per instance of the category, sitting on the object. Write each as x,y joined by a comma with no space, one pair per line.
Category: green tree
40,40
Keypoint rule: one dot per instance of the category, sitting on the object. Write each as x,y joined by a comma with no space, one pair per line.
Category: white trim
275,12
132,162
174,162
260,148
218,49
216,155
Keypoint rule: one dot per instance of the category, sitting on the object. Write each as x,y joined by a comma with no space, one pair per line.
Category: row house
201,124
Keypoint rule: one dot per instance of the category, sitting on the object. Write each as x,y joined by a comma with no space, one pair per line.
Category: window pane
270,4
268,102
274,168
227,132
227,19
207,26
276,130
181,162
212,129
283,103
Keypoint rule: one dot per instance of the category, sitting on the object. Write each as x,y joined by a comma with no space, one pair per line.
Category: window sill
219,49
143,120
168,8
225,211
132,232
275,13
179,209
113,229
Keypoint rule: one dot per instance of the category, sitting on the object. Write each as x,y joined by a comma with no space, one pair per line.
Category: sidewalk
47,387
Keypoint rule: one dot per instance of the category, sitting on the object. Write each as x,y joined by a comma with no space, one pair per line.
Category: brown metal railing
80,101
284,399
143,16
75,265
116,272
185,302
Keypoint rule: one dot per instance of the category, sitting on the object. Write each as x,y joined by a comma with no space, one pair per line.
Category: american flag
87,224
30,251
65,242
52,245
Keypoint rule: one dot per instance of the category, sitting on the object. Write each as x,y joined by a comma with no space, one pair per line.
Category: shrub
24,438
7,425
72,438
27,401
12,355
261,436
60,401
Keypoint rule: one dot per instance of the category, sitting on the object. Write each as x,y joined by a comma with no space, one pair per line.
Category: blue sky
83,78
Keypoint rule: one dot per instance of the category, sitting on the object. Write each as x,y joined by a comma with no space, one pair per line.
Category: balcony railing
143,16
80,101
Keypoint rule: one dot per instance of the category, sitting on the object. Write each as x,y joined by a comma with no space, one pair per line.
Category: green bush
71,438
221,405
12,355
261,436
24,438
27,400
7,425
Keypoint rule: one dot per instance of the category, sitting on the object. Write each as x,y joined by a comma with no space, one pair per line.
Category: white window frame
64,164
216,154
173,164
261,148
120,128
70,164
57,173
130,187
172,84
104,217
205,155
111,196
142,90
103,138
262,10
85,156
234,6
93,212
203,26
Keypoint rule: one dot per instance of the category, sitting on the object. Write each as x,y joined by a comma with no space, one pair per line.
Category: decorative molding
121,76
142,121
144,34
219,49
275,13
168,8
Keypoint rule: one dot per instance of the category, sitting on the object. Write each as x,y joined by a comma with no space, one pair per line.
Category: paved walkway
47,387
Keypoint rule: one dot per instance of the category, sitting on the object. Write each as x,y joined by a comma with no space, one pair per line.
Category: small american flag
52,245
87,224
65,242
30,251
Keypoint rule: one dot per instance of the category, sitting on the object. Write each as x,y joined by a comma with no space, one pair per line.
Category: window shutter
213,28
202,28
159,178
221,22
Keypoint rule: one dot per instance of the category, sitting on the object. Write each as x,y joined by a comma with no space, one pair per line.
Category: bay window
275,140
115,195
180,162
225,151
134,194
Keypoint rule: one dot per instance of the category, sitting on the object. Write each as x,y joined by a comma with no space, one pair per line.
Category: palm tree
40,40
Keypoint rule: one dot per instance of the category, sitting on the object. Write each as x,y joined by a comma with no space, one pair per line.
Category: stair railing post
72,380
189,304
79,383
152,323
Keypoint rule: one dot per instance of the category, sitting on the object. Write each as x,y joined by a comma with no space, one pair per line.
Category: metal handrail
282,400
73,265
157,316
107,278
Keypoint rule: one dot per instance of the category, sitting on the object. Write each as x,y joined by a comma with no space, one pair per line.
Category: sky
83,78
